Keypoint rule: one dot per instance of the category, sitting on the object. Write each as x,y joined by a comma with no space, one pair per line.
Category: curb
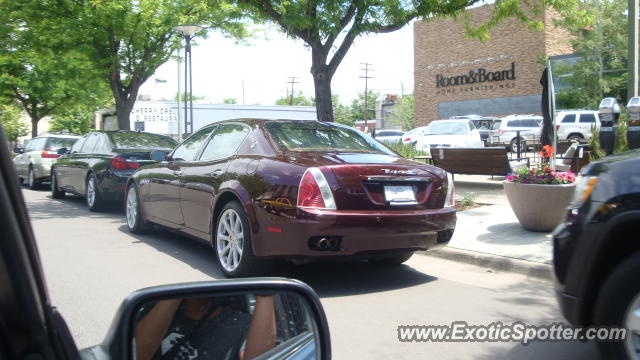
495,262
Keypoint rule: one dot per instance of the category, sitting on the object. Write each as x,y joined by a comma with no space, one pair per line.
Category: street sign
139,126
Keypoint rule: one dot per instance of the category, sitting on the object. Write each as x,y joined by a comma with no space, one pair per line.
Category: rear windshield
139,140
389,133
447,128
318,136
58,143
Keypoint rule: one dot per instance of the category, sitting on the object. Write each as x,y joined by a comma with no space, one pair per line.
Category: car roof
57,136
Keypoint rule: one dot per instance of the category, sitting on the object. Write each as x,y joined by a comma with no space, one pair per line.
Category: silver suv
576,124
34,161
504,132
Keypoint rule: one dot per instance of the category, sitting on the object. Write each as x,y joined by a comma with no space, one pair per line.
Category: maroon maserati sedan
258,190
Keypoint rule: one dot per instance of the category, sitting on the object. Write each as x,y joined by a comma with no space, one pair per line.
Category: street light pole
188,32
633,58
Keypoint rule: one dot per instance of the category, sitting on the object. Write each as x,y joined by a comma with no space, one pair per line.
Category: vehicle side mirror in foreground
63,151
259,318
158,155
18,150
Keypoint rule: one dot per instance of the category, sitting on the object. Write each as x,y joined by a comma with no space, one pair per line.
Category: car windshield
317,136
447,128
56,143
139,141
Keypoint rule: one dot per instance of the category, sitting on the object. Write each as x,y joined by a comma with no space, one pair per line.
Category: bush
406,150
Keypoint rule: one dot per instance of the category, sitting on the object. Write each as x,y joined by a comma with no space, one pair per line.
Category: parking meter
609,112
633,124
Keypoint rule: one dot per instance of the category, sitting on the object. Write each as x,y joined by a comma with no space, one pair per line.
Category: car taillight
501,132
314,191
120,163
49,155
557,127
449,202
406,139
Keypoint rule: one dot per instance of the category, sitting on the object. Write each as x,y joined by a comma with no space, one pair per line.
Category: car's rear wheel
391,260
575,137
93,198
32,183
56,193
132,209
618,304
232,243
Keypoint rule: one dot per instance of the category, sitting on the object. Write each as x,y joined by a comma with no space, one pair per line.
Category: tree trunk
324,104
123,112
34,125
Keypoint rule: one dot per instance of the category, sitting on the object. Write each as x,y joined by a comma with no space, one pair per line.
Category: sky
220,66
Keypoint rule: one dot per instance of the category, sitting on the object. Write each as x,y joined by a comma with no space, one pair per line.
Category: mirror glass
226,326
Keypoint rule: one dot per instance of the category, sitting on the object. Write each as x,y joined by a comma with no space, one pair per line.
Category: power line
366,78
292,81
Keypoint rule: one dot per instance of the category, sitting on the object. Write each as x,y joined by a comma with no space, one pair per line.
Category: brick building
456,75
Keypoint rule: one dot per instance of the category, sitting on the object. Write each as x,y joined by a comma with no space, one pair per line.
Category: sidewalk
491,236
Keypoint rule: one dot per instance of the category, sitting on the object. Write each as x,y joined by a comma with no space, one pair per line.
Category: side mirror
259,318
158,155
18,150
63,151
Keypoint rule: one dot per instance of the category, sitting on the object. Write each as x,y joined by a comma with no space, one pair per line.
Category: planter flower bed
539,196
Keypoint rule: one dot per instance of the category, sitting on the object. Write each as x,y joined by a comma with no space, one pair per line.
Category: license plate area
400,195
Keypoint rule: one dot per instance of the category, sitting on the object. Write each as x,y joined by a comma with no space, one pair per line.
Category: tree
128,40
230,101
11,124
601,70
329,27
402,114
75,121
42,80
298,100
186,95
341,113
357,106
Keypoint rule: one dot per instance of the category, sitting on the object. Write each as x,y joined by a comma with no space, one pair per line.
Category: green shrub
406,150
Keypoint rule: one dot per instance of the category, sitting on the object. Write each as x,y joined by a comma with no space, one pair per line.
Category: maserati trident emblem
399,172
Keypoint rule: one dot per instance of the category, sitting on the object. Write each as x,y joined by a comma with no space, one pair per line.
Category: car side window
224,142
188,150
569,118
587,118
90,143
78,145
101,146
36,144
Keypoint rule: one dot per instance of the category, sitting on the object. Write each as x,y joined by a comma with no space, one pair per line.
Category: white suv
576,124
504,132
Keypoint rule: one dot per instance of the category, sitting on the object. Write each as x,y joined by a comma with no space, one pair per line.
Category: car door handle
177,172
216,172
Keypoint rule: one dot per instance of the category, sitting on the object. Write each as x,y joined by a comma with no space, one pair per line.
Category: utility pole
292,81
242,91
366,78
633,58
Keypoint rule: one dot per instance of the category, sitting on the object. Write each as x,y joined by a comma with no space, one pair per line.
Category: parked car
596,252
482,123
34,328
388,136
98,165
411,136
449,133
576,124
262,189
504,131
34,161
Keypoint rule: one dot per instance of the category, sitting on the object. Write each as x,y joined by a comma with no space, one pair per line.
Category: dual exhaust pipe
325,243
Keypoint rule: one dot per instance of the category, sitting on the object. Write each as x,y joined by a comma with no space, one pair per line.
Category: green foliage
75,122
600,40
402,115
11,124
357,106
620,144
469,199
406,150
298,100
341,113
230,101
186,94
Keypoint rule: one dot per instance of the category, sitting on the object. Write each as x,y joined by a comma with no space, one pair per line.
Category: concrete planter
539,207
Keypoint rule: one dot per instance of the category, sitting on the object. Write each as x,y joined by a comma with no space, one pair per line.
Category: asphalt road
91,262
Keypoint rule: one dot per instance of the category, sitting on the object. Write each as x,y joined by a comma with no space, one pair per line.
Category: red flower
547,151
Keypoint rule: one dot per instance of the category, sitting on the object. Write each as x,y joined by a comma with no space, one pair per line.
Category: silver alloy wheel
91,192
229,240
132,207
31,178
632,323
